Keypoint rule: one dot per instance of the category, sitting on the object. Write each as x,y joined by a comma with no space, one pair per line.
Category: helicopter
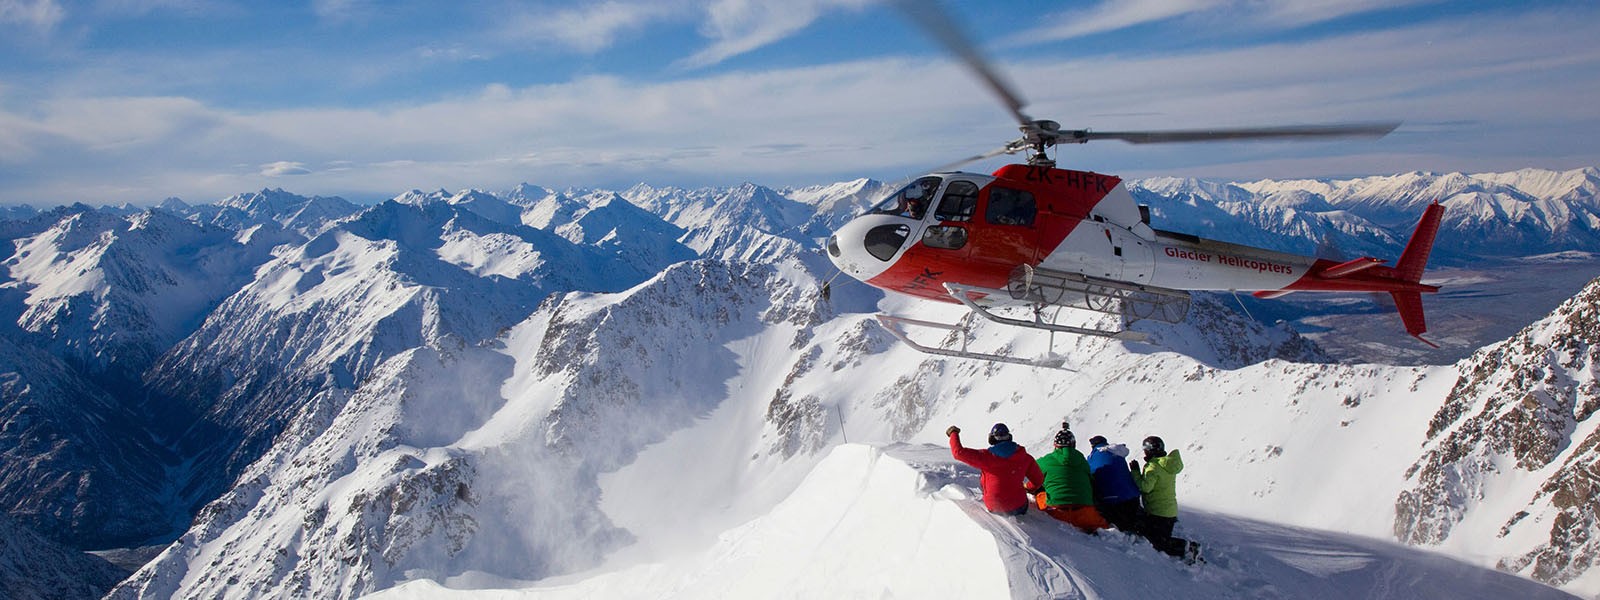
1018,245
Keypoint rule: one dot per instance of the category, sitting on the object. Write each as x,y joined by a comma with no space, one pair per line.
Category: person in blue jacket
1116,495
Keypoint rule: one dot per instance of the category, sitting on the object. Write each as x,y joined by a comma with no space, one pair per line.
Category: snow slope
904,522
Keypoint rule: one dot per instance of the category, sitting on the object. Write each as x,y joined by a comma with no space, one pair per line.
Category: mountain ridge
591,329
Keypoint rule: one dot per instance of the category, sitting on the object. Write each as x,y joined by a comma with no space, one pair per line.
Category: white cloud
42,15
1114,15
110,123
139,8
1295,13
739,26
834,122
284,168
590,28
342,10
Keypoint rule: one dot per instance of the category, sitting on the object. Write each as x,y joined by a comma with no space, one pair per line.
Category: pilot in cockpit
911,201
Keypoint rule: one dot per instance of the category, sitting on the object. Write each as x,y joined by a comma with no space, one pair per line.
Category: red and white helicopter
1030,237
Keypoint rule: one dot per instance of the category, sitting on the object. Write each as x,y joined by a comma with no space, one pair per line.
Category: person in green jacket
1067,493
1158,487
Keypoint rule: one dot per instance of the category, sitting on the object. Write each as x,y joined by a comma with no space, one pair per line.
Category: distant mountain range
316,398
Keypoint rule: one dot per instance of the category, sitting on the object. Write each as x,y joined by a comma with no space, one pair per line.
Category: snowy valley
641,393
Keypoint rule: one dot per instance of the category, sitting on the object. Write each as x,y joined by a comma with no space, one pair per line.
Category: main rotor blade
1011,148
932,17
1336,130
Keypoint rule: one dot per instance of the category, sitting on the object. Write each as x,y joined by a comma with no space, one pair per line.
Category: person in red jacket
1003,467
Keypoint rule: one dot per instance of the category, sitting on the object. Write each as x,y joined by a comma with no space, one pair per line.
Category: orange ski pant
1082,516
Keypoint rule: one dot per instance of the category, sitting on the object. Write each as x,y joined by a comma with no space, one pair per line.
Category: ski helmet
1153,446
999,433
1097,441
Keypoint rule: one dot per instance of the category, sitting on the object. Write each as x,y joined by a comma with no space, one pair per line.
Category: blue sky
111,101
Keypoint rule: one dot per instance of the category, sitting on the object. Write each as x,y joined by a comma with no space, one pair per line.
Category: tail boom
1403,281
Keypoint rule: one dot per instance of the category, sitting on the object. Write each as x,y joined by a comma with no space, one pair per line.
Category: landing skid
896,325
1038,290
967,295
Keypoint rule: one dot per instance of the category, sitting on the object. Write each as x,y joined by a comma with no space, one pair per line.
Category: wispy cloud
1115,15
739,26
339,11
40,15
1111,15
284,168
591,27
839,121
138,8
1296,13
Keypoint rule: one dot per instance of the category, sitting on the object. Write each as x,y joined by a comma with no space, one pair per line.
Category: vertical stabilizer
1409,304
1415,257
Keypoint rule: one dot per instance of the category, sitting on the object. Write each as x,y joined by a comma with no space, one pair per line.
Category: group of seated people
1100,491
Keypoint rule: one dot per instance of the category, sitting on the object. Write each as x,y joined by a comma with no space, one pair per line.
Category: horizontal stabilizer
1350,267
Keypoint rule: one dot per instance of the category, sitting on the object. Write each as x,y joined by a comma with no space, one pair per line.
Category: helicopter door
1009,237
950,231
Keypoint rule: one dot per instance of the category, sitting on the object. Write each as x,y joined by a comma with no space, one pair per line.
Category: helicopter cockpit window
1010,207
885,240
959,200
911,201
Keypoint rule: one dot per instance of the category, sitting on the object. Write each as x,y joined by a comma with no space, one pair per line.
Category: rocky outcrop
1519,420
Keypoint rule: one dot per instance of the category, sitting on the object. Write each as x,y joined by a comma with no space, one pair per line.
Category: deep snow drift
903,522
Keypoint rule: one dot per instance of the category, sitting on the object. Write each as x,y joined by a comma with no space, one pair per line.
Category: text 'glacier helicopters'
1017,245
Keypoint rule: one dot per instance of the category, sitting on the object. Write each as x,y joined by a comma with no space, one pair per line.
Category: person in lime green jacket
1158,486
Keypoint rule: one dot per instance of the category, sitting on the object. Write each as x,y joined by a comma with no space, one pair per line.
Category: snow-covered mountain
1522,213
422,271
588,392
273,209
76,464
1512,454
17,212
110,292
34,568
741,223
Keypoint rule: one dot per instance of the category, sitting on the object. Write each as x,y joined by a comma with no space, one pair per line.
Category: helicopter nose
867,246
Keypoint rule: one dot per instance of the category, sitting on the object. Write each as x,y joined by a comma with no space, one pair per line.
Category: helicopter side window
949,237
1010,207
911,201
958,203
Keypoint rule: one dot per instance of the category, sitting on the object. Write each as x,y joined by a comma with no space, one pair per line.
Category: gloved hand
951,430
1133,465
1033,490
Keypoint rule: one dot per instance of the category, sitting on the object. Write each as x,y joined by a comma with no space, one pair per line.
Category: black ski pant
1122,515
1159,531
